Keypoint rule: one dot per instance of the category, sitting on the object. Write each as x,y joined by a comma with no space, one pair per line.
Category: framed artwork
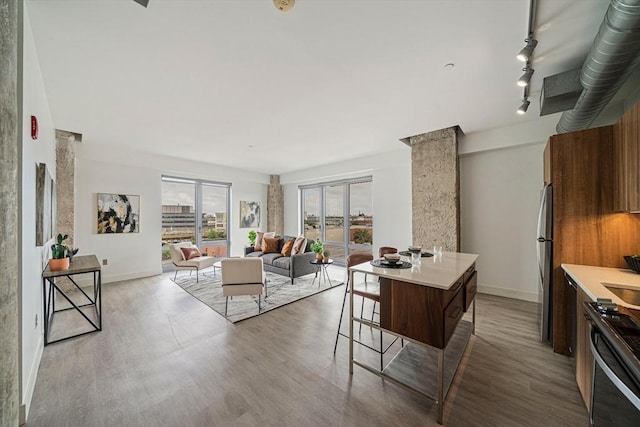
249,214
118,213
45,204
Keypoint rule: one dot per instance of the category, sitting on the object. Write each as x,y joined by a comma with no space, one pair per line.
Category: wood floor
165,359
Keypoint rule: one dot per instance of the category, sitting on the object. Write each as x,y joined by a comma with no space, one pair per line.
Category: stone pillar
9,202
275,206
435,189
65,179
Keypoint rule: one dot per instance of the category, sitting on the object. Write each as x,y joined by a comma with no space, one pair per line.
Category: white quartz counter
438,271
591,279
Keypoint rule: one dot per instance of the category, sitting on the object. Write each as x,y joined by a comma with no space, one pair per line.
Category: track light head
524,106
526,77
526,51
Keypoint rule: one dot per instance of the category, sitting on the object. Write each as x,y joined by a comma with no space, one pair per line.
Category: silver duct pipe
614,56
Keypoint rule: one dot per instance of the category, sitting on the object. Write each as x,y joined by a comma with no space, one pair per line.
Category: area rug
280,292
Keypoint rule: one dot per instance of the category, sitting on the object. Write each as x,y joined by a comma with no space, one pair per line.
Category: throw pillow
271,234
286,249
270,245
190,252
258,244
299,245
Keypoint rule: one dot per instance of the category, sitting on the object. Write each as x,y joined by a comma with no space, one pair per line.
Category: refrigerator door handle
541,238
541,211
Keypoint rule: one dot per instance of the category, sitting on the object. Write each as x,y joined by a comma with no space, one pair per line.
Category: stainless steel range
615,344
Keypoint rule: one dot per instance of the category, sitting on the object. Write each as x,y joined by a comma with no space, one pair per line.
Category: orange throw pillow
270,245
286,249
191,252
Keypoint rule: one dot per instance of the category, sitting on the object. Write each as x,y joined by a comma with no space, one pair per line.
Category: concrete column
275,205
65,178
435,189
9,202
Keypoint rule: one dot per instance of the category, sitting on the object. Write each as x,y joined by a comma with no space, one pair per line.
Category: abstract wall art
118,213
249,214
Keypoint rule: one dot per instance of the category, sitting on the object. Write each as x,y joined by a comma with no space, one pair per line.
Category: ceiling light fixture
527,51
524,106
526,77
525,56
284,5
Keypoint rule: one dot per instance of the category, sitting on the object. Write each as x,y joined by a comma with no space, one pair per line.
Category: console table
423,305
84,264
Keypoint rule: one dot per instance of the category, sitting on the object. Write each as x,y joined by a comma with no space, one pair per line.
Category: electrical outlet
36,321
104,261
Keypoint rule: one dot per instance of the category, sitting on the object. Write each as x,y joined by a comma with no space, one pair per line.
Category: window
339,213
195,210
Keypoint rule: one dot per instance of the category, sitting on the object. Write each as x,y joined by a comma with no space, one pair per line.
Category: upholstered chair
186,256
242,276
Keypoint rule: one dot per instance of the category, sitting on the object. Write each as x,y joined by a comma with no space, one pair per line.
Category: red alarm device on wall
34,127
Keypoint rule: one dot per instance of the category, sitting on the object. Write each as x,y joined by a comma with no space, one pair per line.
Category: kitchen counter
440,272
591,280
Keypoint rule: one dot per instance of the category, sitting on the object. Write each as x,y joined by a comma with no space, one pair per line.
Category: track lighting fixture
526,51
526,77
524,106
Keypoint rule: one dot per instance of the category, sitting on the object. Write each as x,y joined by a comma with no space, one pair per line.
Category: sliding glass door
339,213
196,211
334,220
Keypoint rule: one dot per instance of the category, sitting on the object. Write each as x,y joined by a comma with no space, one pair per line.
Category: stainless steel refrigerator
545,253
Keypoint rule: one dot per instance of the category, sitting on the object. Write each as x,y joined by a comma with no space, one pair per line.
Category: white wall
138,254
32,258
499,196
391,174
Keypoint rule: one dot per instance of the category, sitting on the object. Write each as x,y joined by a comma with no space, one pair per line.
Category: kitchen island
423,305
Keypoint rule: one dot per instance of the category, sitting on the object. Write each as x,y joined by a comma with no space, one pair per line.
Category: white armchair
242,276
197,262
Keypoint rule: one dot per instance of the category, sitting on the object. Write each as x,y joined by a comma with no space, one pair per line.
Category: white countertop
437,271
591,279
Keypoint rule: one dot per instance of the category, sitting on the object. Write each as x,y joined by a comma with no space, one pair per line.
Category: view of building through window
195,211
326,208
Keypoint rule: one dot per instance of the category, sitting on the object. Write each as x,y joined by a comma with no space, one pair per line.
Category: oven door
615,397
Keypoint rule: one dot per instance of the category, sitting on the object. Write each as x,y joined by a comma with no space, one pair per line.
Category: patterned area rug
280,292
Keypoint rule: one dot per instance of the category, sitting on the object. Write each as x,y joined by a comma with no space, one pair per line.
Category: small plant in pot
318,248
325,256
59,259
252,237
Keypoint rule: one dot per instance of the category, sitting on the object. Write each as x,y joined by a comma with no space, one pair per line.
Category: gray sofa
290,266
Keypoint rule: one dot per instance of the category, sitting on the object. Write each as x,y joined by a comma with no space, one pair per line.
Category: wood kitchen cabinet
584,358
586,228
627,161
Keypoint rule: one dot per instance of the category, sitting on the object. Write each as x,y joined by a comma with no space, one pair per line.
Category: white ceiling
241,84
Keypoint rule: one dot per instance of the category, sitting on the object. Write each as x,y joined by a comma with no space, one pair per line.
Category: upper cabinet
627,162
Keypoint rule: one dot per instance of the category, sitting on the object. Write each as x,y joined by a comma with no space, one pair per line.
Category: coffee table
321,267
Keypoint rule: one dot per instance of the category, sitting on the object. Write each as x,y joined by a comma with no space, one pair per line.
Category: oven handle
635,400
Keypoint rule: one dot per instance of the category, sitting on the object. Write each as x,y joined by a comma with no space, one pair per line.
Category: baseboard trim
130,276
31,382
508,293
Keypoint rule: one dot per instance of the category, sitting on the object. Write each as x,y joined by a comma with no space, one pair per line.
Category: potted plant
325,256
59,260
318,248
252,237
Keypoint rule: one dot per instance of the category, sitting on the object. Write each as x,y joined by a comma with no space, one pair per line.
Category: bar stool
381,252
368,290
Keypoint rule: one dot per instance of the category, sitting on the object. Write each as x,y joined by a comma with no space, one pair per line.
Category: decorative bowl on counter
633,261
392,258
